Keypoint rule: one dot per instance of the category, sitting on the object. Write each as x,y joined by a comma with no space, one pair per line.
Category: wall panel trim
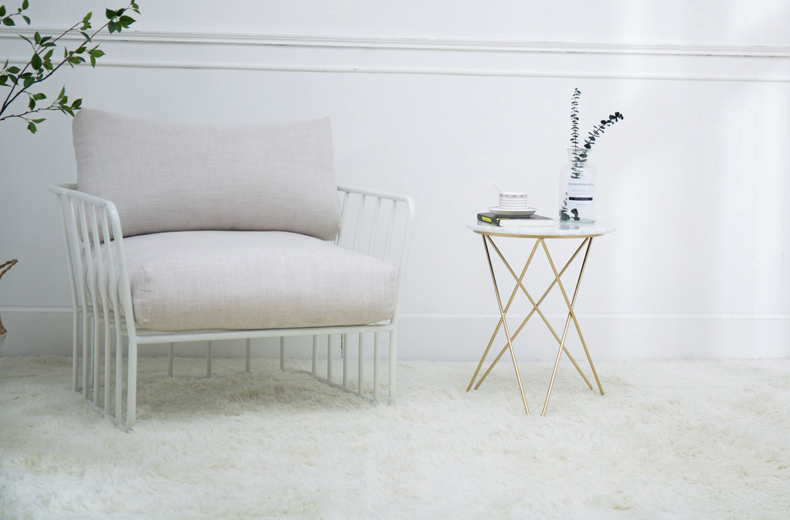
216,38
358,55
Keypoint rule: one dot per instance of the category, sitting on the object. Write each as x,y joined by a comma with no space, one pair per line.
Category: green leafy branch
598,130
9,19
580,153
41,66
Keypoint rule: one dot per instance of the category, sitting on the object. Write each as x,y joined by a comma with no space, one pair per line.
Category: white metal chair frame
89,223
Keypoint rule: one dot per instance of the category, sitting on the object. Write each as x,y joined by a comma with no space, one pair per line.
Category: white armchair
180,232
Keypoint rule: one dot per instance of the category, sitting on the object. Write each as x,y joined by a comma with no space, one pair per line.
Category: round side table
583,232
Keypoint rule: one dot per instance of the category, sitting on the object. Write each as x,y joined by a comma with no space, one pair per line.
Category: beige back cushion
167,176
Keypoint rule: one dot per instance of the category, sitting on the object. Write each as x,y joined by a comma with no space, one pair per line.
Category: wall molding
420,56
426,44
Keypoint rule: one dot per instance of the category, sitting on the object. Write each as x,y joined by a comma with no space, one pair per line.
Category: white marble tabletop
558,230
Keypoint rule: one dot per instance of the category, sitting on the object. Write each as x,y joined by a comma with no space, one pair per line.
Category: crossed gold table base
571,317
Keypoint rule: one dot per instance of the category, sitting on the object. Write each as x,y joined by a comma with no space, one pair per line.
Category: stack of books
515,221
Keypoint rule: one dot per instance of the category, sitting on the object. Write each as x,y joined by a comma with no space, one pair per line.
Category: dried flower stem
6,266
3,268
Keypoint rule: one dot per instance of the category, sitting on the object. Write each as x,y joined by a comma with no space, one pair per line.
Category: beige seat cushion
236,280
168,176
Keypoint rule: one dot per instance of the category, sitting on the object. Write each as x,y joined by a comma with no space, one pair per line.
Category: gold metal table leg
504,324
536,308
571,316
507,307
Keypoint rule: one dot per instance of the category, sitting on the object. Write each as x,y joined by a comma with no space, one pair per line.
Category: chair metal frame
93,237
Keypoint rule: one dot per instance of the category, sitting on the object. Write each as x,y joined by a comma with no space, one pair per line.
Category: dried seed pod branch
3,269
6,266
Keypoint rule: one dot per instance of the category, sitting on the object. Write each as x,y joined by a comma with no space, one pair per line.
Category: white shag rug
704,439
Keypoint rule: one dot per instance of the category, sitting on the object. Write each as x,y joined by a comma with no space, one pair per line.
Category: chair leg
393,363
208,360
85,356
344,355
360,364
170,361
131,388
247,357
95,339
329,357
375,366
89,357
107,359
75,339
118,376
315,355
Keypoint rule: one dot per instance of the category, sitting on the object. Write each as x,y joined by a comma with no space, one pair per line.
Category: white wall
435,99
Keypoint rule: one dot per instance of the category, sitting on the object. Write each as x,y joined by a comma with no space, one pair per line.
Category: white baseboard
606,336
464,337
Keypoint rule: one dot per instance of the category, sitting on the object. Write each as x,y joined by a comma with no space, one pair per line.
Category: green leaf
126,21
37,121
62,92
29,81
3,79
35,61
39,96
31,127
48,55
2,10
37,37
8,21
27,19
31,104
109,13
93,61
112,27
87,17
13,70
25,4
98,53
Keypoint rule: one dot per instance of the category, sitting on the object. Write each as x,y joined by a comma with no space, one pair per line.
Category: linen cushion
236,280
166,176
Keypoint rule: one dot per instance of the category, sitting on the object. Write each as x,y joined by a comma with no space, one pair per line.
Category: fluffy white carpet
670,439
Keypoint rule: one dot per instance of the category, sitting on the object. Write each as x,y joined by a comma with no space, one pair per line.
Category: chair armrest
93,237
378,224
